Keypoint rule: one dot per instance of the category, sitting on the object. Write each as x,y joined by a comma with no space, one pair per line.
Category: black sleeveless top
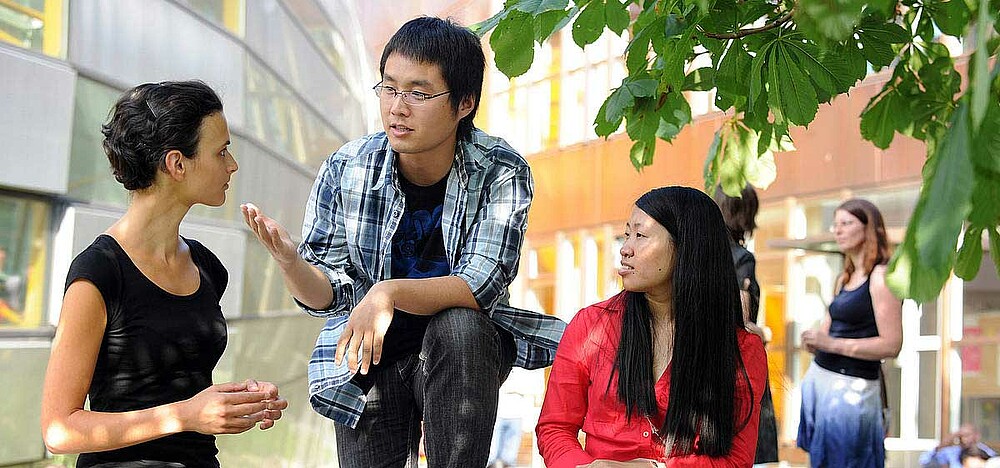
851,316
158,347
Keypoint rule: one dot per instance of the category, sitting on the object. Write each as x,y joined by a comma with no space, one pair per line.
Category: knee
461,331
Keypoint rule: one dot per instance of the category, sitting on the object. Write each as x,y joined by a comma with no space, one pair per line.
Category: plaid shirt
354,210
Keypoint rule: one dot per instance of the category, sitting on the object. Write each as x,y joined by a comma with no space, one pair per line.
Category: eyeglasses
844,224
411,98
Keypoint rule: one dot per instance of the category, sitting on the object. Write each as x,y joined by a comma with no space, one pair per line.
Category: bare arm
888,320
68,428
427,296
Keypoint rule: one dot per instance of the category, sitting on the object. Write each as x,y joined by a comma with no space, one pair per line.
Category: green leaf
674,114
985,199
537,7
514,49
952,17
589,25
789,86
878,120
637,53
979,82
617,16
710,170
986,150
675,25
641,154
832,20
761,171
604,127
733,69
971,254
552,21
949,193
642,121
827,84
876,37
483,27
675,57
923,262
702,79
995,248
757,78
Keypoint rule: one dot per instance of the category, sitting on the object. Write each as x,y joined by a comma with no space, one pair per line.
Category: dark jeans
451,385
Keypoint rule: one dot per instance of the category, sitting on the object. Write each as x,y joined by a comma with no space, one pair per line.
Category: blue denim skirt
841,420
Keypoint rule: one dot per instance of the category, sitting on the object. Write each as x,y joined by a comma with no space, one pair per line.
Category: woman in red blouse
640,400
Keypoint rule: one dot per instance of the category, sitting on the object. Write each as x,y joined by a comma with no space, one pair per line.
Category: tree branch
746,32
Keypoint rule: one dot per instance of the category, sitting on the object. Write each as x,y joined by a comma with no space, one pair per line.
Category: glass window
275,116
90,176
23,23
225,13
574,126
327,38
24,227
264,290
980,356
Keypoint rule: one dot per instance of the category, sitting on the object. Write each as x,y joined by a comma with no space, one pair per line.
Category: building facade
293,76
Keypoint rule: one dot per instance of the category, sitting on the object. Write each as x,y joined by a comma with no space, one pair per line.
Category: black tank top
158,347
851,316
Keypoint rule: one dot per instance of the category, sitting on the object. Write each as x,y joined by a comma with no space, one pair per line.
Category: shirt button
645,434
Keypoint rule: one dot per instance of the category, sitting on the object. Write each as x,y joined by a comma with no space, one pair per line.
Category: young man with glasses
411,237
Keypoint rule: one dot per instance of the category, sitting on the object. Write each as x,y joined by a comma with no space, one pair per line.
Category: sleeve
490,257
324,238
745,441
99,266
565,404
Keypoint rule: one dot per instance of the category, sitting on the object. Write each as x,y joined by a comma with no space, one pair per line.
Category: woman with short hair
141,327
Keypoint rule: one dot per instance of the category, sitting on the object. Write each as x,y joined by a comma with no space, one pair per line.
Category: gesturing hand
272,235
275,404
223,409
365,331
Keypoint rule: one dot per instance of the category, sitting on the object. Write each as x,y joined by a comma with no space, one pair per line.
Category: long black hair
707,314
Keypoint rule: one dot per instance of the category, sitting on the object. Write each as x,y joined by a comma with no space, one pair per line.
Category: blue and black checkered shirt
353,211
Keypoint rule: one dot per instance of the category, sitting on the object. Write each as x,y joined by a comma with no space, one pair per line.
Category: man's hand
366,329
272,235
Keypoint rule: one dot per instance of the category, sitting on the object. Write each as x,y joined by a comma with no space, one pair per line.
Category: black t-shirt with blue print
418,243
417,252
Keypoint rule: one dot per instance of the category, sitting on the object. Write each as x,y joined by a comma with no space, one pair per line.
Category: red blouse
579,398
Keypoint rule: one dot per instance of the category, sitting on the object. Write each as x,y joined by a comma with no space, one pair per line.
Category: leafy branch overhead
772,63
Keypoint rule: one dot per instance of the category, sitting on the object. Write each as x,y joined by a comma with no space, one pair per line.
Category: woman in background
841,422
618,375
740,215
141,328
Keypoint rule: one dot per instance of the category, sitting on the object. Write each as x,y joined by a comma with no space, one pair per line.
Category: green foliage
772,64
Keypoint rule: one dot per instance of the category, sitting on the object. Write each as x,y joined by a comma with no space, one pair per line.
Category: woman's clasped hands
232,408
